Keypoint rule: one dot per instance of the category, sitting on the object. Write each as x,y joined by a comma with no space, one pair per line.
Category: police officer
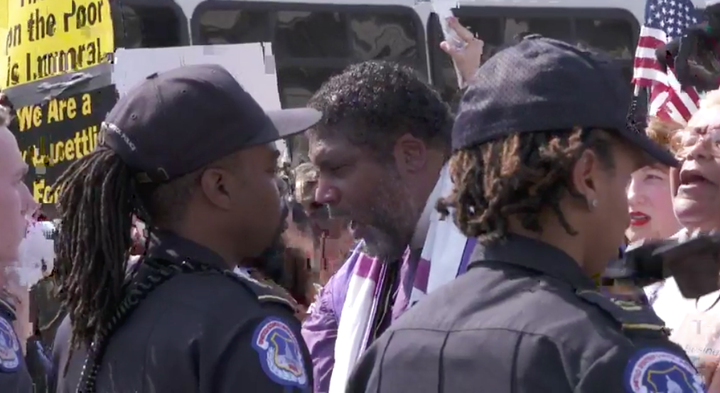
542,156
191,154
16,204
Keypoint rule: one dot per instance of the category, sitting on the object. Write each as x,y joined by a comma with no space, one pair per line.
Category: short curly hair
521,175
373,103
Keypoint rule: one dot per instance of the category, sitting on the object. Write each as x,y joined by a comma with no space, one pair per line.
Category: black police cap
176,122
542,84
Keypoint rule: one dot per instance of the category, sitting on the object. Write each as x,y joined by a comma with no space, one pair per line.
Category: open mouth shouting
692,180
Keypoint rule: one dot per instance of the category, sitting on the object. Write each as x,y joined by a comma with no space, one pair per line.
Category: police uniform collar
535,255
170,246
7,310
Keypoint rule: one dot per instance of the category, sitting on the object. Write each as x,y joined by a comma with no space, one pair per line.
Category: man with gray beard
379,150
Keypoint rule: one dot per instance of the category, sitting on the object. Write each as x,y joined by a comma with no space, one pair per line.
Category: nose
29,205
326,193
635,195
701,150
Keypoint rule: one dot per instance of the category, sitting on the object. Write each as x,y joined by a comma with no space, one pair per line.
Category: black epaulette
266,292
631,315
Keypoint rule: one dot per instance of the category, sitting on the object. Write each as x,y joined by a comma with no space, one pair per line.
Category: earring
592,204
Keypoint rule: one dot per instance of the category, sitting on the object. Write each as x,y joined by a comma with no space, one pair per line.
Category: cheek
357,189
11,203
11,215
662,202
621,191
674,176
271,198
659,194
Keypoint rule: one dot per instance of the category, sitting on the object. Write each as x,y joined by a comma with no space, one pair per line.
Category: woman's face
696,184
650,204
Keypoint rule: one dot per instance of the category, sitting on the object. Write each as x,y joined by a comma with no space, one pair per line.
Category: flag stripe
664,20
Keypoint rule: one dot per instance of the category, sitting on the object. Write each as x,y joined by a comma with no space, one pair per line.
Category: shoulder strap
265,290
152,272
632,316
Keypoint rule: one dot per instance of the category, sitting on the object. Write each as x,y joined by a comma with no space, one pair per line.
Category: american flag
664,20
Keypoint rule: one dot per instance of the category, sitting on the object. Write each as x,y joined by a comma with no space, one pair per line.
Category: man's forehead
327,147
271,149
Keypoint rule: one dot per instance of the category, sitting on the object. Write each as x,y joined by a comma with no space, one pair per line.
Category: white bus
314,39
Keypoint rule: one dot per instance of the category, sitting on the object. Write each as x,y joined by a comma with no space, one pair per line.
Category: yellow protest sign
45,38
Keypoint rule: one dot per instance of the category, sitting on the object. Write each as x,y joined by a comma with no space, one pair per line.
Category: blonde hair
710,100
662,131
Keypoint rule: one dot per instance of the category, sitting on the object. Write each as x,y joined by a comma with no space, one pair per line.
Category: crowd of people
420,249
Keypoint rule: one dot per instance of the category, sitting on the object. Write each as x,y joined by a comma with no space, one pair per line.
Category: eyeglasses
685,141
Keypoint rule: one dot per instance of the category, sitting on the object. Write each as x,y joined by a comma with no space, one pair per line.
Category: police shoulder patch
280,354
9,348
657,370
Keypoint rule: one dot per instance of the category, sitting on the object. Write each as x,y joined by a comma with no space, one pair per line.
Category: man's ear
213,183
411,154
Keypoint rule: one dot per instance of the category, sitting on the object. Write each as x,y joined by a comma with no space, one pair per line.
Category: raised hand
466,58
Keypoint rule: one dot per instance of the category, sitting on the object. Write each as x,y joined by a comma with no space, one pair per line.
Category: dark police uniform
203,331
524,319
14,375
187,323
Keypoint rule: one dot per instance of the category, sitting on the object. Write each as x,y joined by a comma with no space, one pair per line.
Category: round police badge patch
658,371
280,354
9,348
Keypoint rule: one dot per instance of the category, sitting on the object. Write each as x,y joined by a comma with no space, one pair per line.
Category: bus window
297,33
219,27
559,28
614,35
154,26
298,84
311,41
387,36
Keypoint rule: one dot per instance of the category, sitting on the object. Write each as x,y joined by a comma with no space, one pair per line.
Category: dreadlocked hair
522,176
96,203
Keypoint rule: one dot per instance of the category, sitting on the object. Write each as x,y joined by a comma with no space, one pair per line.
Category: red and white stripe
668,99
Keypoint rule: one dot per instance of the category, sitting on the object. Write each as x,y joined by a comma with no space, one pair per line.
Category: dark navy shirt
202,332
